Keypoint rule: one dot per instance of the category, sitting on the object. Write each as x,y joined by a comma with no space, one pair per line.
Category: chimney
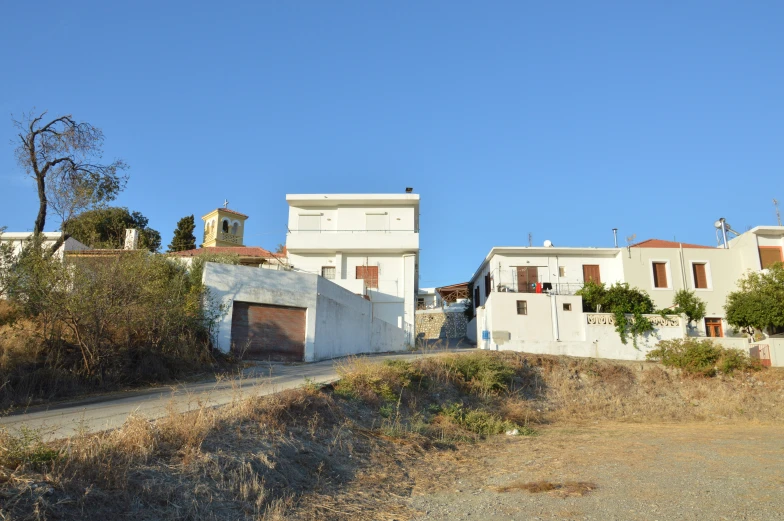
131,239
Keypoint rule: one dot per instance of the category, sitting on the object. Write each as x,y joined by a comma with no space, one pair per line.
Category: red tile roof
235,212
658,243
242,251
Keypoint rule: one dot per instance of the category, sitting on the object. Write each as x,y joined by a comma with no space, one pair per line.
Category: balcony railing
561,288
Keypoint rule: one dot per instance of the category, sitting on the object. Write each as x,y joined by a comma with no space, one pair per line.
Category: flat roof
28,235
334,199
541,250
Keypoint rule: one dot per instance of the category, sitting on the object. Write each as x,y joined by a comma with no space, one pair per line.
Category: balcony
564,288
348,240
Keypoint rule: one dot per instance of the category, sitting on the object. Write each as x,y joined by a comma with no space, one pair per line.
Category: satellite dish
548,244
717,225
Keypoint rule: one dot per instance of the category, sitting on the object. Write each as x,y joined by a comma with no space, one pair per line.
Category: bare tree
63,157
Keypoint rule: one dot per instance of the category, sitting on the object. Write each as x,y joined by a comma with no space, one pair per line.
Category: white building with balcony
524,298
366,243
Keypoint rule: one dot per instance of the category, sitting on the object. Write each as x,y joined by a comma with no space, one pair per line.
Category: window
488,283
591,273
700,275
561,271
567,307
328,272
369,274
769,255
376,222
660,275
225,226
476,297
420,303
522,307
713,327
309,223
235,228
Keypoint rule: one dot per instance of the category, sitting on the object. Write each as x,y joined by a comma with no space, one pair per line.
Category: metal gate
267,332
761,352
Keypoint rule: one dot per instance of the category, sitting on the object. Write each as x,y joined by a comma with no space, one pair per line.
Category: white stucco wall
338,322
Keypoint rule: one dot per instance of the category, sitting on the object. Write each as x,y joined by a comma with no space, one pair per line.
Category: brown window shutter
769,255
476,297
487,285
591,273
700,276
659,275
369,274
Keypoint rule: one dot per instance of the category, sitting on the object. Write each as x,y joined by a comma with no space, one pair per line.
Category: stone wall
435,323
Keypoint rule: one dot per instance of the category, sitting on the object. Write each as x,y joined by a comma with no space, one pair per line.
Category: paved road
107,412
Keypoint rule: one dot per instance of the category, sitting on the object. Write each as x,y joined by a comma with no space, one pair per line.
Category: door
591,273
761,352
713,327
527,277
266,332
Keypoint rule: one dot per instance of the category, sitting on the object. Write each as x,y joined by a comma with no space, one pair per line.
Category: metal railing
560,288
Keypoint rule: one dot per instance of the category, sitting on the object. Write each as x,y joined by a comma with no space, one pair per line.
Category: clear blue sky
562,119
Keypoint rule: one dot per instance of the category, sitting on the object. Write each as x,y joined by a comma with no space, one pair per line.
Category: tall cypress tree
183,235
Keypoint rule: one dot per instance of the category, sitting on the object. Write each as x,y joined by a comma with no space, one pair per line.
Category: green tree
759,302
621,300
183,235
63,157
688,303
105,228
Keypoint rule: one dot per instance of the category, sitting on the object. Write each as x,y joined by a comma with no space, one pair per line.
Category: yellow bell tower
223,227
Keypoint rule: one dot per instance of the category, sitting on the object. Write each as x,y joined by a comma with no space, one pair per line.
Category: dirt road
640,472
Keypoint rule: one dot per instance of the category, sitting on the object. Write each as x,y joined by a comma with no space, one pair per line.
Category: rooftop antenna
530,239
778,214
629,241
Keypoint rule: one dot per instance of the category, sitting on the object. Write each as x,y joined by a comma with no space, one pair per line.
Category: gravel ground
641,472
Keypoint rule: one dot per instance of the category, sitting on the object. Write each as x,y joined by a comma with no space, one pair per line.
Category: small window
369,274
376,222
420,303
310,223
713,327
567,306
769,255
328,272
700,275
561,271
522,307
235,228
660,275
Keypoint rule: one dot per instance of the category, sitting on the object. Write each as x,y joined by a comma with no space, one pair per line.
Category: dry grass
343,452
564,489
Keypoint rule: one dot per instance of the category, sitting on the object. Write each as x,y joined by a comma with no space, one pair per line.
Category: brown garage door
266,332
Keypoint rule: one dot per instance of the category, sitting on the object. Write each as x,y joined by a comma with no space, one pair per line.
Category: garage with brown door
267,332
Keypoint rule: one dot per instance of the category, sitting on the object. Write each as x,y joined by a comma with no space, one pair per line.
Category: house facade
19,240
365,243
524,298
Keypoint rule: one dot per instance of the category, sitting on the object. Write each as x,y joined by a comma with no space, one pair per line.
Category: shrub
478,371
481,422
699,357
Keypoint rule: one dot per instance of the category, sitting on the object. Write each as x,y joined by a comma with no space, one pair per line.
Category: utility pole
778,214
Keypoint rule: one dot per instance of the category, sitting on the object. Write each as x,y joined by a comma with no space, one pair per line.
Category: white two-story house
366,243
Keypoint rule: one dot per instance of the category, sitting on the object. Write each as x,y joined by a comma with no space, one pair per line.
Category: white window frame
708,275
668,271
